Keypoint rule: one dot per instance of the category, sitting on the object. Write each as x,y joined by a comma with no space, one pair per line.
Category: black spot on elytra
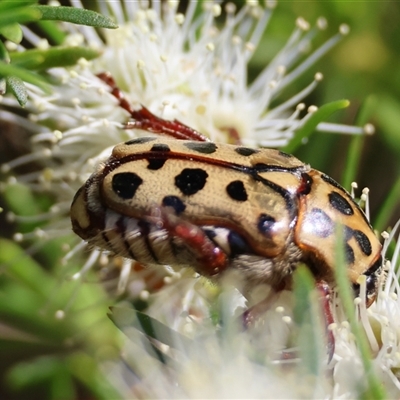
347,233
262,167
246,151
237,244
237,191
265,224
339,203
175,202
363,242
349,254
331,181
202,147
125,184
286,155
320,222
156,163
191,180
160,147
140,140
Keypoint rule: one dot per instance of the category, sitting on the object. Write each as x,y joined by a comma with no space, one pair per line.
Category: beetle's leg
147,121
210,259
325,293
253,313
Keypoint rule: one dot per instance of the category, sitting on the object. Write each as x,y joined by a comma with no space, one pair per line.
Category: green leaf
18,265
19,16
392,200
124,317
309,126
388,115
53,57
26,374
21,200
76,16
86,370
52,31
307,313
12,32
4,56
26,76
304,285
18,89
12,5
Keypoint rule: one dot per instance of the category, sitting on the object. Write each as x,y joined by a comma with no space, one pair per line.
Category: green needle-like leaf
392,200
318,116
76,16
18,89
52,30
126,317
26,76
4,56
37,59
20,16
304,285
12,32
306,315
6,5
3,86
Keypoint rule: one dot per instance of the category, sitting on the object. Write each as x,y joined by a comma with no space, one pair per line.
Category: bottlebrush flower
189,67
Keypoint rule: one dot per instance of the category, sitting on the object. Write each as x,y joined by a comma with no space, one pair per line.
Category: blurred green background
46,358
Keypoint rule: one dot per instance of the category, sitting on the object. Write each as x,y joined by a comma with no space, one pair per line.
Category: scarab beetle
191,202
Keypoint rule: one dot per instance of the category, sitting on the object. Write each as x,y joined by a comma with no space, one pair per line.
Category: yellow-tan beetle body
217,206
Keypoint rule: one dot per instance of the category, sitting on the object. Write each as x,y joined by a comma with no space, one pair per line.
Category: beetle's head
373,278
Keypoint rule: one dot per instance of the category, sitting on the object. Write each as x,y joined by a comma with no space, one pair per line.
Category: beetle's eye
372,275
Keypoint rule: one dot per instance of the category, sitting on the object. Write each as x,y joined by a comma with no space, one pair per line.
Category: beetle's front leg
325,294
209,259
144,119
251,315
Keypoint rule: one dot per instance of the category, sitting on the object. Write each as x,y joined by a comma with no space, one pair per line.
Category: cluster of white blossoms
189,67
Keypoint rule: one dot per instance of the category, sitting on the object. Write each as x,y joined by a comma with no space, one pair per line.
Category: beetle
260,211
216,207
